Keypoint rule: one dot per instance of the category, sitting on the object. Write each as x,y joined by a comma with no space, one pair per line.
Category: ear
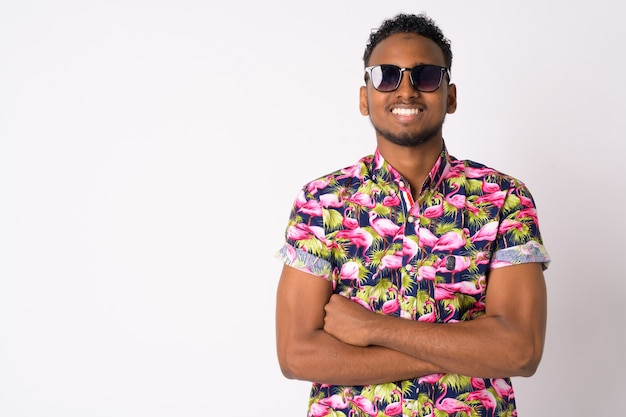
451,107
363,107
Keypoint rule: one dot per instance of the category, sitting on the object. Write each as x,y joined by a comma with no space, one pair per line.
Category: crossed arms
326,338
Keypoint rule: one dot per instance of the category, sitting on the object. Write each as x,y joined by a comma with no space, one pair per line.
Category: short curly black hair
409,23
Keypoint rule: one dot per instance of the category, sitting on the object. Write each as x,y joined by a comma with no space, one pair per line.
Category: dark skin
326,338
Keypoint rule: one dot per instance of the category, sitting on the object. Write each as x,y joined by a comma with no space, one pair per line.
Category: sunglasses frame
368,71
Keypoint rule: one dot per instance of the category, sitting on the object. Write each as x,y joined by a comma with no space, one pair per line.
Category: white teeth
405,112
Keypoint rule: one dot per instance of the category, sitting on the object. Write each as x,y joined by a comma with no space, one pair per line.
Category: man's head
409,23
407,91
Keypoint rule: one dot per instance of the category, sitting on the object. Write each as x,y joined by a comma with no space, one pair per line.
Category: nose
406,89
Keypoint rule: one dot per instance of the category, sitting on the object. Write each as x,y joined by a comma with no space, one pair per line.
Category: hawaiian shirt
424,260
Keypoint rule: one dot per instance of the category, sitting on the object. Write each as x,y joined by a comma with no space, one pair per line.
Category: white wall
150,151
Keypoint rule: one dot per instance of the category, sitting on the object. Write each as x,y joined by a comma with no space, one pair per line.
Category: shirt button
409,268
411,219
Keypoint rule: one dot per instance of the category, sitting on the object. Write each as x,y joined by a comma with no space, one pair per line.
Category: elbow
286,369
527,360
289,363
529,367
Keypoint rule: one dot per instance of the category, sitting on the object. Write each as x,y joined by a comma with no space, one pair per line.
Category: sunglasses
426,78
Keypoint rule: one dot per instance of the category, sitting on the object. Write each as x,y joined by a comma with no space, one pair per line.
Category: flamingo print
486,398
487,232
433,212
384,227
449,241
463,287
456,200
426,238
365,405
496,198
451,405
312,208
503,389
361,228
359,237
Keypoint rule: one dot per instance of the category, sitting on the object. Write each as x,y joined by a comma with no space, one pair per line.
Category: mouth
403,111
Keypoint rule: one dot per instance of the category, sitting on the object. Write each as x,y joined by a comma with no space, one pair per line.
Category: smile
405,112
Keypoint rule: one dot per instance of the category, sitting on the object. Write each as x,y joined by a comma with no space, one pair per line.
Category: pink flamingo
433,212
330,200
395,408
347,221
464,287
431,316
526,202
336,401
391,261
351,172
442,293
456,200
362,200
365,405
449,241
318,410
430,379
427,405
391,201
448,318
301,231
482,258
471,172
503,389
359,237
528,212
426,272
312,208
392,305
384,227
479,308
349,270
300,199
489,187
319,184
451,405
508,224
477,383
461,263
487,232
409,248
426,237
486,398
497,198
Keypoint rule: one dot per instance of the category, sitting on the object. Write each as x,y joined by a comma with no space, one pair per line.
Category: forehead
407,50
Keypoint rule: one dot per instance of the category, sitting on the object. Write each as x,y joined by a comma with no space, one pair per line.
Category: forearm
324,359
506,341
486,347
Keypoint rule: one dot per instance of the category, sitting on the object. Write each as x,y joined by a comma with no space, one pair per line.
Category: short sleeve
306,246
518,239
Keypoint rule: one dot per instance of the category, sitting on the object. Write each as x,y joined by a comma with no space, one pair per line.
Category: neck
412,162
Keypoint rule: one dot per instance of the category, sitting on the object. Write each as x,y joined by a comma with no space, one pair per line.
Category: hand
348,321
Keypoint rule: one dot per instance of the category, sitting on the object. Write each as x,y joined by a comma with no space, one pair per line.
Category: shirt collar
381,170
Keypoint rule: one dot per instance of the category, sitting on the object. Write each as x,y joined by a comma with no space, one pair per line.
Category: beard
411,139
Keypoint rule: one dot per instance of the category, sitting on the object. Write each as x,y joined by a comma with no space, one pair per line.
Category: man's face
405,116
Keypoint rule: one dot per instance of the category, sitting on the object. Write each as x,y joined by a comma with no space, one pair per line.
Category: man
413,282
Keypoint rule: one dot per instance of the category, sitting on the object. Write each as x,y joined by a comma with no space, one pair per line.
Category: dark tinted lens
426,77
385,77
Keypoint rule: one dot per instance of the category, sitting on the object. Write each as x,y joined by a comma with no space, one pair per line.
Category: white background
150,152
